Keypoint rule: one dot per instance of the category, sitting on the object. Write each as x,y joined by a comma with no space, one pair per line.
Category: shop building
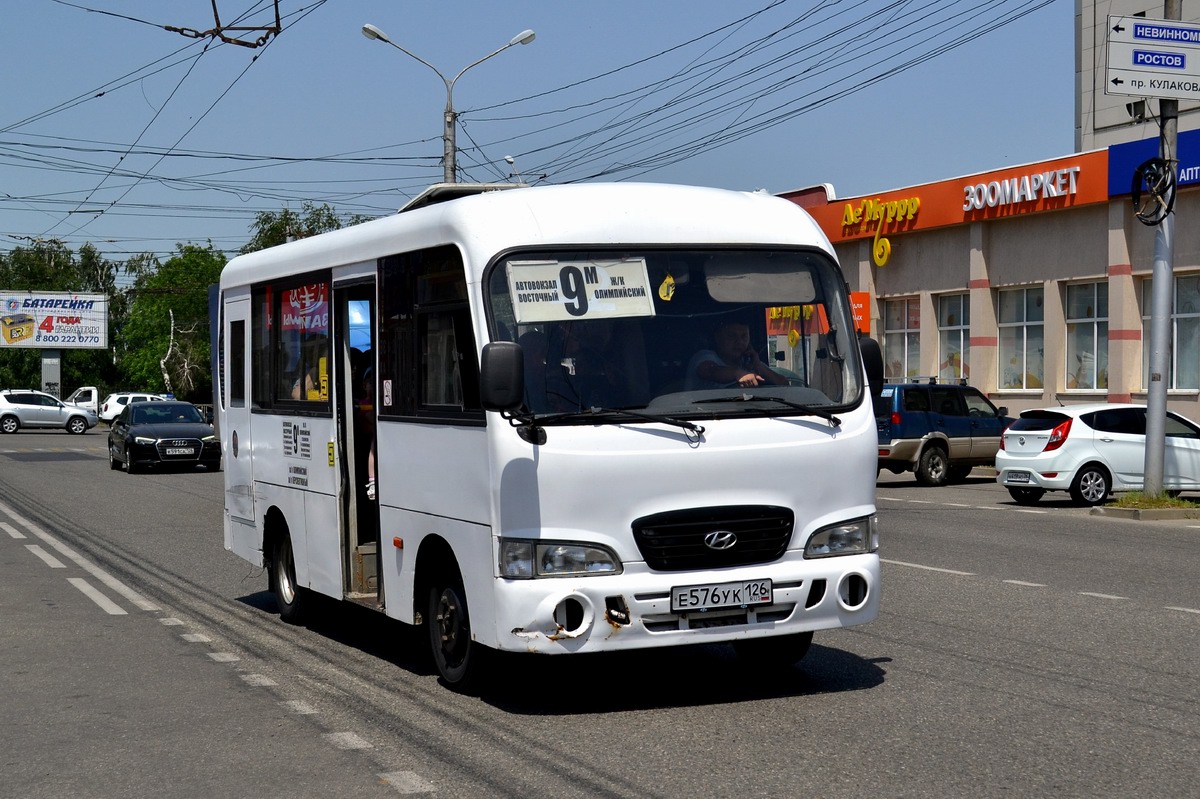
1032,283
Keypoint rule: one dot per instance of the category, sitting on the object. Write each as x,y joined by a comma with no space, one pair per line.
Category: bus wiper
809,409
618,415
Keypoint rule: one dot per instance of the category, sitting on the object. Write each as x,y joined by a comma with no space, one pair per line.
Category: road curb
1148,514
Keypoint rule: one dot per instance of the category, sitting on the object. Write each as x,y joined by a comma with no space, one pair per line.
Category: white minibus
562,419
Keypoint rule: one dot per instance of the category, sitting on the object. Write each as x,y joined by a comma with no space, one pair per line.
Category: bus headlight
855,537
523,559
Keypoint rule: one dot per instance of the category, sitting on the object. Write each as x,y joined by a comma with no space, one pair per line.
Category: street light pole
450,116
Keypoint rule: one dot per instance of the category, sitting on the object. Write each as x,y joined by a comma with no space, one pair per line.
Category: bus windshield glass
692,333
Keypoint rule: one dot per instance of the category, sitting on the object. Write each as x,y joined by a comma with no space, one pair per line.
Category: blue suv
939,431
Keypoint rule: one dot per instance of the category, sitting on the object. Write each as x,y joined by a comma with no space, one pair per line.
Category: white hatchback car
1092,451
115,403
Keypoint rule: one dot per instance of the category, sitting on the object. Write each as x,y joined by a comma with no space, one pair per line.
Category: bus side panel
432,479
323,550
472,549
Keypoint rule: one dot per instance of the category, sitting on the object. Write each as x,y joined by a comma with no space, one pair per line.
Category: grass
1140,501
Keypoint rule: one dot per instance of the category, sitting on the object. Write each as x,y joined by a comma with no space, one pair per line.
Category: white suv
28,408
115,403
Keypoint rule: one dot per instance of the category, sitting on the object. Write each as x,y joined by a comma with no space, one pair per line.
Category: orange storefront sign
1061,183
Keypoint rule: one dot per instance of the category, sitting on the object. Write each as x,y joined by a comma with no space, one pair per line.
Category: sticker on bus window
556,291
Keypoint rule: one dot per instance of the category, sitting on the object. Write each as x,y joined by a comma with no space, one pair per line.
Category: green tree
272,228
165,344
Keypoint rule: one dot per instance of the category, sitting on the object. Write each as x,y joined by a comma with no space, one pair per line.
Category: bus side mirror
873,363
502,376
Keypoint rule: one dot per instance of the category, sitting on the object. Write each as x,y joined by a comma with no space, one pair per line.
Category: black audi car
162,434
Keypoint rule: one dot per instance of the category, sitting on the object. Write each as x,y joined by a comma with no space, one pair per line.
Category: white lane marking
112,582
195,638
224,657
957,505
47,558
1022,582
347,740
1184,610
1102,596
990,507
1028,510
106,604
170,622
303,708
258,680
407,782
12,531
922,502
926,568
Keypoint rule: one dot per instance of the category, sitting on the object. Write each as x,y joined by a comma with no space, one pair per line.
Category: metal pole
1162,300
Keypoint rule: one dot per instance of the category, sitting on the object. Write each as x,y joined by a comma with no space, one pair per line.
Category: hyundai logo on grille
720,539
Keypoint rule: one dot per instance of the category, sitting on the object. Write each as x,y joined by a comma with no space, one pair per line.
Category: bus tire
778,652
289,596
458,659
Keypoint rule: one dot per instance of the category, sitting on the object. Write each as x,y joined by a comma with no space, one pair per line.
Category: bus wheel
778,652
288,595
457,657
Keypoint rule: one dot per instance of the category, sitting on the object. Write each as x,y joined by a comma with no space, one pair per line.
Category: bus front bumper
633,610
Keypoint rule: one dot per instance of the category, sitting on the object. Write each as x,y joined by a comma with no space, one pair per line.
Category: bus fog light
855,537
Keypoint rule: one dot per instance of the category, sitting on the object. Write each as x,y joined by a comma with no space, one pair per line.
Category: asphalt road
1019,652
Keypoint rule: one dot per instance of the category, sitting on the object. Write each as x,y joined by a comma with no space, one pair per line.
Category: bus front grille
712,538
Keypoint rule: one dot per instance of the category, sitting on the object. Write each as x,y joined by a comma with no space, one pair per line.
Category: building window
1087,336
901,338
954,337
1185,333
1022,338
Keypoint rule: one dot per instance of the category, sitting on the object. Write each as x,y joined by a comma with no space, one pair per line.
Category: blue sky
190,137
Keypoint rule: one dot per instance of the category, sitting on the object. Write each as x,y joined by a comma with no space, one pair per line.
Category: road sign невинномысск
1153,58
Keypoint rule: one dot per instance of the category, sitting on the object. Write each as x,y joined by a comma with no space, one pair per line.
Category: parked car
164,433
939,431
28,408
1092,451
115,403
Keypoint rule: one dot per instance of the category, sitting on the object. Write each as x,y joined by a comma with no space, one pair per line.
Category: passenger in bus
733,362
308,386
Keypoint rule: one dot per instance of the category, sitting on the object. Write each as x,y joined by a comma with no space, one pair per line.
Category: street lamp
448,136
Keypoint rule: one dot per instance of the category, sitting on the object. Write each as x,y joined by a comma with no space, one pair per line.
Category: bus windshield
696,332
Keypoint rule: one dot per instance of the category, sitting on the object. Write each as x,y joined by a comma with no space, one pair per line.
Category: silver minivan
28,408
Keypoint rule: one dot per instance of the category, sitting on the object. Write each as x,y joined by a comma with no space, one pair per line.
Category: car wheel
77,425
1090,486
9,424
933,467
459,660
779,652
113,463
1027,496
289,596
